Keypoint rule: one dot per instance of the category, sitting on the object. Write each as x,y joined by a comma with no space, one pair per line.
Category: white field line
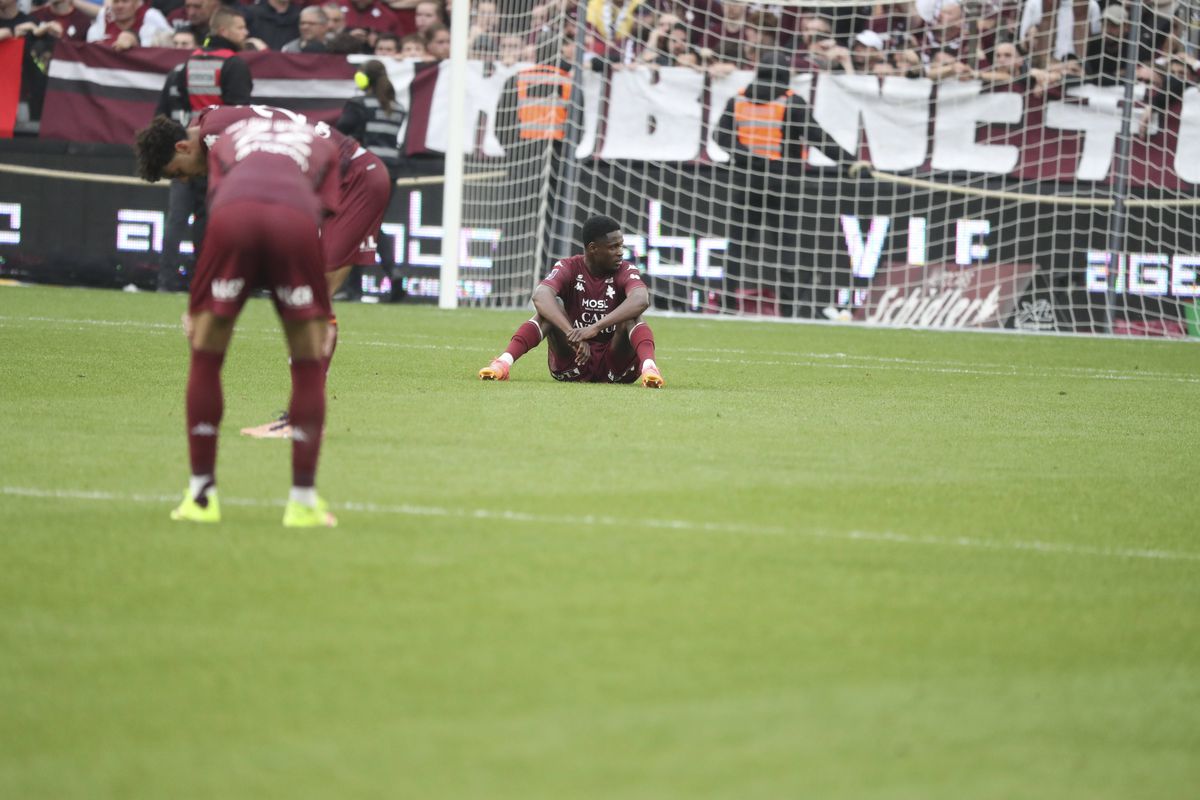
835,360
504,515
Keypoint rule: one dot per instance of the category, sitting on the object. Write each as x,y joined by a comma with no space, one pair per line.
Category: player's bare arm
630,309
548,308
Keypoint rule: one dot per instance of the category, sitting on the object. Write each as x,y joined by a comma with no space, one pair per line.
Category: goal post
963,168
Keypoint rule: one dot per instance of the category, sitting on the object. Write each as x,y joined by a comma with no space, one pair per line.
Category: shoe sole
490,375
176,517
652,381
271,430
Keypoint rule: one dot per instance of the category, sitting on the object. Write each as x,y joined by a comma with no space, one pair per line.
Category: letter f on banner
864,253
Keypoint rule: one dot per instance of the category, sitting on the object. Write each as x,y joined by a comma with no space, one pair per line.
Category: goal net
932,164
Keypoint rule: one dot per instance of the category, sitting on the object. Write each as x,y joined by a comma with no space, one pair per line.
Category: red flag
12,53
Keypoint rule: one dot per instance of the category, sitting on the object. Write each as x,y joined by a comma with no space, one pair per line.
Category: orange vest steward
542,111
760,125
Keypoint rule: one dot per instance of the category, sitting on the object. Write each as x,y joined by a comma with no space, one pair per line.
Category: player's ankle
200,485
304,495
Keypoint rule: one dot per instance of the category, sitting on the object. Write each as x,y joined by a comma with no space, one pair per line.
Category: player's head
164,148
603,244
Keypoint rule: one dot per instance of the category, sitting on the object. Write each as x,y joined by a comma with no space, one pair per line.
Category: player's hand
582,334
583,352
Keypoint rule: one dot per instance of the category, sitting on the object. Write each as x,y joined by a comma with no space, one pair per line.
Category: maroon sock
527,337
307,416
205,405
642,340
333,337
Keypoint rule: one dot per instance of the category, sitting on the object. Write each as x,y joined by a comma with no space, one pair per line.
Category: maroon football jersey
273,161
214,119
74,23
586,298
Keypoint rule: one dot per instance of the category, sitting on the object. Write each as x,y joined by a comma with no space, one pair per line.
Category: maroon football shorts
251,244
348,237
604,366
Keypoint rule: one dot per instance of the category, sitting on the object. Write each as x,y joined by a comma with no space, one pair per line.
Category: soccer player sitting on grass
590,309
271,183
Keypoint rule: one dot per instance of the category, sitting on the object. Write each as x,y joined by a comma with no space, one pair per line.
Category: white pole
452,196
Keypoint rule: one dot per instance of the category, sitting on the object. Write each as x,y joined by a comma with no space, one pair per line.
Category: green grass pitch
824,562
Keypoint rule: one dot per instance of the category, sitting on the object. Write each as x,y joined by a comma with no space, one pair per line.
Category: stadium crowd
1040,44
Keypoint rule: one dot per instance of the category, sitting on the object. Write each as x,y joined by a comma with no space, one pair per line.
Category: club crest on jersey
579,287
609,292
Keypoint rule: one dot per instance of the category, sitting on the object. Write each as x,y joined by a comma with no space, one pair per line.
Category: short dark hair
596,228
155,146
223,17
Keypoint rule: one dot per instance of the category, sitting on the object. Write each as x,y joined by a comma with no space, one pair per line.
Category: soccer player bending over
270,184
590,309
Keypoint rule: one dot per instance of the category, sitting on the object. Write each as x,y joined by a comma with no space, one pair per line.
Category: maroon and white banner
96,94
669,115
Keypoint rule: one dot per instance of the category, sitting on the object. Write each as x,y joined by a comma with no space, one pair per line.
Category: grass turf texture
840,563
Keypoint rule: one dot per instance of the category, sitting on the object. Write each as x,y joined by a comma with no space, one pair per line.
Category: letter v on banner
864,252
12,54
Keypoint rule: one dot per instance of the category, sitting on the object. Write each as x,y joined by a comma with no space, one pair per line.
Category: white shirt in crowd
1064,36
153,24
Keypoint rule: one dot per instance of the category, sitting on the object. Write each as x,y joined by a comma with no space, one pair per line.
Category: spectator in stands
867,55
760,38
482,37
945,35
346,44
184,39
405,11
697,17
656,49
822,53
945,65
335,17
895,21
275,22
437,42
314,25
729,27
124,24
1006,65
616,28
387,45
194,14
71,19
426,13
413,46
1053,40
1105,59
906,62
370,15
512,51
813,29
1155,33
